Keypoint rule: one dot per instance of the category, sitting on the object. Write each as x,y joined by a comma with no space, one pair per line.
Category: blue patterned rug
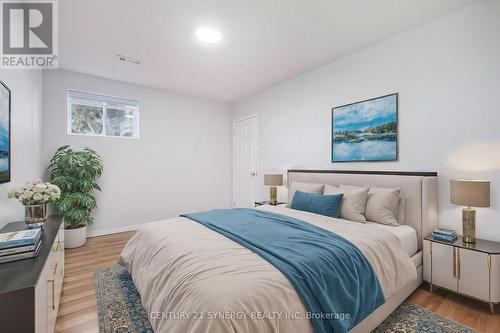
119,307
120,310
411,318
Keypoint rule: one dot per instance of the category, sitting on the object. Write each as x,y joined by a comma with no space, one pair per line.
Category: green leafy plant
75,172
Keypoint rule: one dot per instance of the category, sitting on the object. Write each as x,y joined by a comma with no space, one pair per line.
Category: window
99,115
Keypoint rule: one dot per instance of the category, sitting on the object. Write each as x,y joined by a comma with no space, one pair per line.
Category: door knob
253,174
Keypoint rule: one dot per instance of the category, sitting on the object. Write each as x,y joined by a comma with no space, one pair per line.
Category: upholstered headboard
419,189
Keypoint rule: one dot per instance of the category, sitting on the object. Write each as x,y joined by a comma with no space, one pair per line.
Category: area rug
120,310
119,305
411,318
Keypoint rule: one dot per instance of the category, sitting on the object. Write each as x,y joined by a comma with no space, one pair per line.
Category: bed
194,279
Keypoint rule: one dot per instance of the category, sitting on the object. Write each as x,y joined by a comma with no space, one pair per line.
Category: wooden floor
78,309
472,313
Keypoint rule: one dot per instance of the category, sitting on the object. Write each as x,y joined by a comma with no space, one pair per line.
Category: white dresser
30,289
472,270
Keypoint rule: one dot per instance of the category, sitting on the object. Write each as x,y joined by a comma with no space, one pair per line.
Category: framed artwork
4,133
366,130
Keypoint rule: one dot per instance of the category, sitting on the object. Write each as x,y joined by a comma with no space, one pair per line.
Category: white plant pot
75,237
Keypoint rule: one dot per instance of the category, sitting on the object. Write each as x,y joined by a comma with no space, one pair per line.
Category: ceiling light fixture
208,35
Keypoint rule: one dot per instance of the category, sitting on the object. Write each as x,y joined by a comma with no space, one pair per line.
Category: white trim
105,136
259,171
250,116
104,96
115,230
126,103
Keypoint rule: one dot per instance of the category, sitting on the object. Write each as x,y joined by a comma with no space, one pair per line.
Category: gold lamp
273,180
470,193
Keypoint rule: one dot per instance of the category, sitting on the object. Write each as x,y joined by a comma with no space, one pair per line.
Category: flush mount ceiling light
208,35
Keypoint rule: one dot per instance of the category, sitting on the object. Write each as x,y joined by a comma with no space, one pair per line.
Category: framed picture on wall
4,133
366,130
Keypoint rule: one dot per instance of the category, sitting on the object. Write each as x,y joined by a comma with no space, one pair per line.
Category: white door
245,162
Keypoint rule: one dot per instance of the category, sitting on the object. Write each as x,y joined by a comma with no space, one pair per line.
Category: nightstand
469,269
31,288
260,203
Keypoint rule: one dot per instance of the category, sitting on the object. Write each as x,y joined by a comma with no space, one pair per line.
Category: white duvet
192,279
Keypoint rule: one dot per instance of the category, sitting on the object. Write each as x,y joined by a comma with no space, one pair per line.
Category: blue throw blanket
332,277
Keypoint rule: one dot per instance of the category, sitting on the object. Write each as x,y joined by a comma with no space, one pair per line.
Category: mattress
180,266
406,235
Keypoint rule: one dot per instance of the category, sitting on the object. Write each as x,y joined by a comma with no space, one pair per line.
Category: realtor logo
29,38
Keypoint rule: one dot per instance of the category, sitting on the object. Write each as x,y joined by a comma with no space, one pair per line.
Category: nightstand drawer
495,278
444,266
473,277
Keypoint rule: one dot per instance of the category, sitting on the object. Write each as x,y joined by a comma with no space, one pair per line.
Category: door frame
247,117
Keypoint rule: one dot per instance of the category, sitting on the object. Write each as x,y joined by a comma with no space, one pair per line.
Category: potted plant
76,172
35,196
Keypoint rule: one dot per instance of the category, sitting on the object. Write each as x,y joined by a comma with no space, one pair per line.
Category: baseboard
109,231
115,230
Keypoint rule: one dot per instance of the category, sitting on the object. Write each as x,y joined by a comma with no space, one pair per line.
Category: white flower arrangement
35,193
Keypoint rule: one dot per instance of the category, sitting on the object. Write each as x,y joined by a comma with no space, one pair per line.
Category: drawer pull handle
55,270
458,263
53,293
454,262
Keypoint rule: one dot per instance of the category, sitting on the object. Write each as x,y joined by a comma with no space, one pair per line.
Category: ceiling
264,41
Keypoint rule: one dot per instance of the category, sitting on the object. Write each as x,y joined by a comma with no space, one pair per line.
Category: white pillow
382,205
353,203
304,187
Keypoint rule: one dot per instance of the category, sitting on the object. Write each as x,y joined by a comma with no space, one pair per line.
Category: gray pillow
354,202
304,187
382,205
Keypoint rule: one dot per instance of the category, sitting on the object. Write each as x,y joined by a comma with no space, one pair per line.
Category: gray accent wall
447,74
181,162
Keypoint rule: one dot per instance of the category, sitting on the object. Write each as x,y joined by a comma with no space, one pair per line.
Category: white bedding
406,235
181,267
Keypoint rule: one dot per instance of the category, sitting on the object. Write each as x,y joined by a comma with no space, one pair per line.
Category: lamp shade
473,193
273,179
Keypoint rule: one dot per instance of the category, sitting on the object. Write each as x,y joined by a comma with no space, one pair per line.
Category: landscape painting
366,131
4,133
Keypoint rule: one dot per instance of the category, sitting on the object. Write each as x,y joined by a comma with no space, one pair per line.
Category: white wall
181,163
26,137
447,73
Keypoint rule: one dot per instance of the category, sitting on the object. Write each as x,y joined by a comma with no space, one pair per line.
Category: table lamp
470,193
273,180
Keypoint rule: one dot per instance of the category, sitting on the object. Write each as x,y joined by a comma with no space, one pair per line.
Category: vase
35,215
74,238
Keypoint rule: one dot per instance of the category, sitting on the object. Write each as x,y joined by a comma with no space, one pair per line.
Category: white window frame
104,101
